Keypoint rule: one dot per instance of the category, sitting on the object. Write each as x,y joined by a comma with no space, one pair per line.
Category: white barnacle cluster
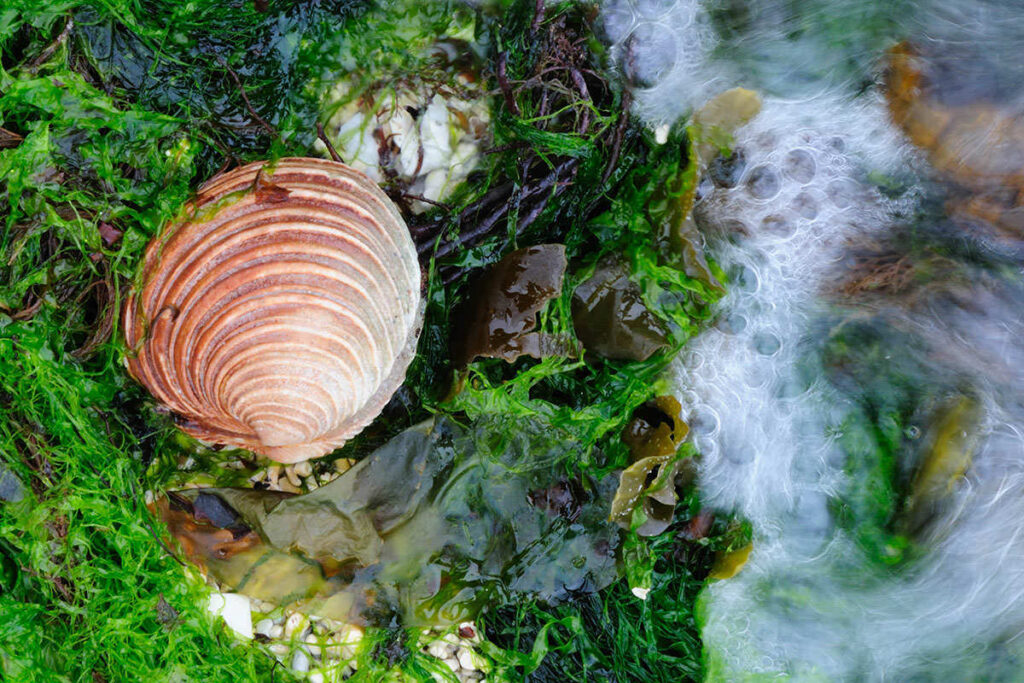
421,135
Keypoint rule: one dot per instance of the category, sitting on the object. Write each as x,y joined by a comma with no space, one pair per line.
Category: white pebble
316,677
273,473
264,627
293,478
661,134
302,469
640,592
300,661
470,660
280,649
439,649
295,625
276,631
234,609
452,663
313,644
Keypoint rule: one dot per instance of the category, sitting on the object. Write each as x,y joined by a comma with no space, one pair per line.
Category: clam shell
280,310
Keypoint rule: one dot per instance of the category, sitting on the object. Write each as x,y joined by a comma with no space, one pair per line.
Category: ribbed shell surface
280,311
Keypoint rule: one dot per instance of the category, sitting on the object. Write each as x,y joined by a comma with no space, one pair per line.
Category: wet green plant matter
113,113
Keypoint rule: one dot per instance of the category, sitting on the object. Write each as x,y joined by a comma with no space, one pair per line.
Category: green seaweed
113,114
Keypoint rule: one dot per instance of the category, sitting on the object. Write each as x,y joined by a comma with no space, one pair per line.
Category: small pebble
302,469
276,631
273,473
295,625
280,649
316,677
439,649
300,661
292,477
266,606
470,660
235,611
265,627
452,663
313,644
350,637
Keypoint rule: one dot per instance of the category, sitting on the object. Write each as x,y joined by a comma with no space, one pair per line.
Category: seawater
819,173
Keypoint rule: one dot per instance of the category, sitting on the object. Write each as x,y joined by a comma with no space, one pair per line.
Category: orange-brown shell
280,311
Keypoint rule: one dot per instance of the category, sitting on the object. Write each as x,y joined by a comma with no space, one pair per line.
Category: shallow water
871,430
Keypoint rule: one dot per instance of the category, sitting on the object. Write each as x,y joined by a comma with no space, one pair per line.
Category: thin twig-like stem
421,198
327,143
503,83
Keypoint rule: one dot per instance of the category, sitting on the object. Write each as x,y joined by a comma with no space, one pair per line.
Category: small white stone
303,469
641,592
276,631
350,637
439,649
300,661
273,473
295,625
470,660
293,478
264,627
280,649
316,677
313,644
452,639
234,610
661,134
149,497
452,663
